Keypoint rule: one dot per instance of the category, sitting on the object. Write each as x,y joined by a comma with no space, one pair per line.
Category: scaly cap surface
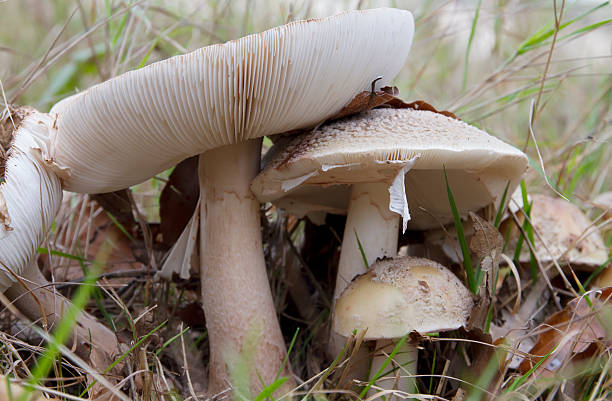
401,295
374,146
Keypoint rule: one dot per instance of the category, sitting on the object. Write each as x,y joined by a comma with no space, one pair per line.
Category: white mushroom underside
30,197
283,79
374,146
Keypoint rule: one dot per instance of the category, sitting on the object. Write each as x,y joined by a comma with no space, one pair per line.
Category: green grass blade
379,373
469,46
538,39
267,392
515,384
467,259
601,268
171,340
64,329
363,255
500,208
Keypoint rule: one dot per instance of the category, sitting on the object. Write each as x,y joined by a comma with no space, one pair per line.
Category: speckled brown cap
374,147
401,295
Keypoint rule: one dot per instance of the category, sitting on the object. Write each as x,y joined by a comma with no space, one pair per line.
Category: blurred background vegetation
484,60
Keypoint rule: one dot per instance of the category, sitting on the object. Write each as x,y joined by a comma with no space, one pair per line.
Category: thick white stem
403,366
243,331
377,227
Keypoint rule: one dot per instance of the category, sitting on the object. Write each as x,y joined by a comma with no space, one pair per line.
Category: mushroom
396,297
216,101
30,196
373,165
568,235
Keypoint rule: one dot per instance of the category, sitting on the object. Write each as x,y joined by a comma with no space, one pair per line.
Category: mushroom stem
377,227
95,341
403,365
246,344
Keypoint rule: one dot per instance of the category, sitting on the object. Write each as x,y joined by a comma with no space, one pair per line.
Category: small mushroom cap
125,130
30,195
562,226
604,201
374,147
397,296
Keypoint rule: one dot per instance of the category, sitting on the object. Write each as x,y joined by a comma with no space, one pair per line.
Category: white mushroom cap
286,78
397,296
375,146
30,195
566,231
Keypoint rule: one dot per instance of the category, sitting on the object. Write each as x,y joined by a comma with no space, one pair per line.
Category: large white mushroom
216,101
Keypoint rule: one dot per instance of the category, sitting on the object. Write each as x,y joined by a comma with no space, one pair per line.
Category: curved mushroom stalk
30,197
242,325
39,302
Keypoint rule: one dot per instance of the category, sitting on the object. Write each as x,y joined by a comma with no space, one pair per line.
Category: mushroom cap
397,296
374,146
286,78
30,195
604,201
561,224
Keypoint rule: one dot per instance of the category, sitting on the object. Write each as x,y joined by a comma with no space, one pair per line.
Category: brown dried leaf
118,204
5,219
571,333
178,200
486,244
367,100
386,97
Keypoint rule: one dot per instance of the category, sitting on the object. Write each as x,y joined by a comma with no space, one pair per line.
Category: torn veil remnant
217,101
376,165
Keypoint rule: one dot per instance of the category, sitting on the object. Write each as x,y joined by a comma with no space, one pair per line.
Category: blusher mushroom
398,296
375,165
216,101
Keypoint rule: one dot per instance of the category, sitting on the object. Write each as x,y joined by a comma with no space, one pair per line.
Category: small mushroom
217,101
375,165
396,297
564,234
